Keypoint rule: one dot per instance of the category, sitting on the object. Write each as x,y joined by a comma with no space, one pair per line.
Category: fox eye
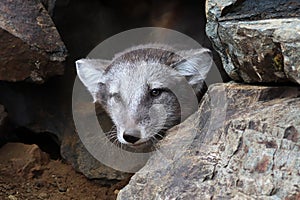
116,96
155,92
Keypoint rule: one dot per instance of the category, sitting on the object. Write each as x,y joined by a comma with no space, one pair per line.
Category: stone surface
243,143
31,47
26,160
258,41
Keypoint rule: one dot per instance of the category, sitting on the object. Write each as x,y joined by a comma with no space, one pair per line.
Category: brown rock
27,160
31,47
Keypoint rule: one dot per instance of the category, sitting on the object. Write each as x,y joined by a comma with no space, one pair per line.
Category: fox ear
195,65
91,73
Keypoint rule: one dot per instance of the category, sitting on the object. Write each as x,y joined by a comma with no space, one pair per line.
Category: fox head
142,89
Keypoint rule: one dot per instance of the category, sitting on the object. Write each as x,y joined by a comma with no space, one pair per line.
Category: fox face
147,89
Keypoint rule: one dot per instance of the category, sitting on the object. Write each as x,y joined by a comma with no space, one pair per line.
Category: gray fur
123,87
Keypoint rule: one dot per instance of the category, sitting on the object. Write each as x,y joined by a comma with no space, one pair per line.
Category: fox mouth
150,144
139,144
142,147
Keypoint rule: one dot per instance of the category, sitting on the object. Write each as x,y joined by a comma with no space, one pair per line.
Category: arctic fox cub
140,88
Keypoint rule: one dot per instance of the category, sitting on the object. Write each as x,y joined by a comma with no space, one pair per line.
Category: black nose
132,135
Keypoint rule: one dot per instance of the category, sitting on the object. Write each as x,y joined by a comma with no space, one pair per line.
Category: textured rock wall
245,145
258,41
31,48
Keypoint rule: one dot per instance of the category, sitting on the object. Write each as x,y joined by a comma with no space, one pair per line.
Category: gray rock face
258,41
245,145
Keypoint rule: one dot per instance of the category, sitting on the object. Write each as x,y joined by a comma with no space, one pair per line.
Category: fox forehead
143,65
135,79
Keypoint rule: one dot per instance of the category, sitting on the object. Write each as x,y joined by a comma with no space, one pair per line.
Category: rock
31,48
243,143
27,160
258,41
43,195
12,197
